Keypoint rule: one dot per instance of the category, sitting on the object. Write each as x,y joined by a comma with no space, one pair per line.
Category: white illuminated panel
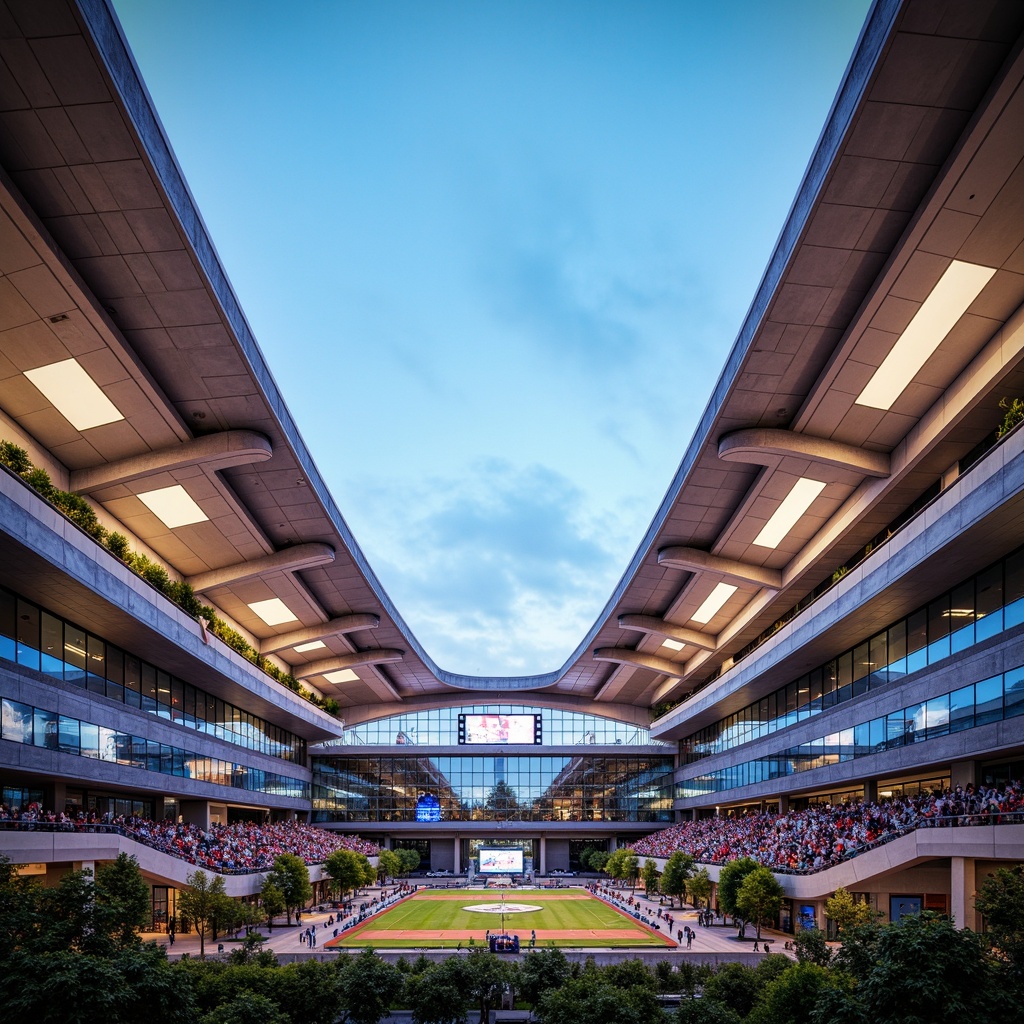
713,602
74,394
672,645
788,514
958,287
346,675
273,612
313,645
173,506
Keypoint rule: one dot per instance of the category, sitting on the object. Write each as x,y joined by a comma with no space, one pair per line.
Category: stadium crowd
820,837
242,847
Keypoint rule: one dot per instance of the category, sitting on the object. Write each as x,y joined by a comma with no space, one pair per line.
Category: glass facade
32,637
22,723
584,787
439,727
982,607
990,700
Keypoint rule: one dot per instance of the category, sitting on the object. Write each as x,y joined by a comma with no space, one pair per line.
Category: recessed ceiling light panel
788,514
346,675
672,645
713,602
173,506
273,612
74,394
958,287
313,645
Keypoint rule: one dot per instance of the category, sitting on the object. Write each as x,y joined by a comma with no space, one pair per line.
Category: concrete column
195,812
86,865
870,791
783,803
543,870
456,852
961,877
60,795
963,773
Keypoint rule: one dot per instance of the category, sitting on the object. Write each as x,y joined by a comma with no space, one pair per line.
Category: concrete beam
695,560
343,661
625,656
214,451
301,556
335,627
652,624
764,446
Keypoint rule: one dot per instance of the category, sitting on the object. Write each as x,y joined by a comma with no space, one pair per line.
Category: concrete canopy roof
105,260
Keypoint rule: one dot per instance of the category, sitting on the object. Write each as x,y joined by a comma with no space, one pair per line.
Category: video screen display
428,808
500,861
499,729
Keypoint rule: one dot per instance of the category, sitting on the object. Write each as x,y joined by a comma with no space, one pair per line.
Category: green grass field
438,918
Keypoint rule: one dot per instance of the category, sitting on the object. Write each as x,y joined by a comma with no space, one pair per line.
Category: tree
123,901
290,874
699,887
678,869
589,1000
623,864
735,986
792,996
921,970
729,881
349,870
841,908
599,860
201,901
436,995
705,1011
811,947
759,897
1001,900
368,986
651,874
273,902
542,969
247,1007
389,864
485,978
410,859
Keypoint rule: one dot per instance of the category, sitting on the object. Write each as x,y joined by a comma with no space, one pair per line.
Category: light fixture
173,506
713,602
74,394
958,287
346,675
313,645
672,645
273,611
788,514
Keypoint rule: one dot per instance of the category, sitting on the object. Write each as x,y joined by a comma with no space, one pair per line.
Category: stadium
827,608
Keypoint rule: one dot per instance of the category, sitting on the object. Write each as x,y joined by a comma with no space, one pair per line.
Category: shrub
39,480
14,458
117,545
79,511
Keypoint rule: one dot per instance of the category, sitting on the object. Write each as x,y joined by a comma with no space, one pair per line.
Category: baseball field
440,918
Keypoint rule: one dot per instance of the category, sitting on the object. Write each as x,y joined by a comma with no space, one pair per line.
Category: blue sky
495,254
